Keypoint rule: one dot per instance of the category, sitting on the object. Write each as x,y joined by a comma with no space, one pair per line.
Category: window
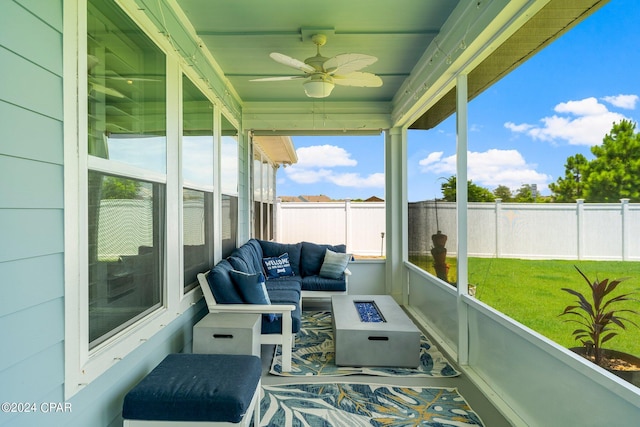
229,186
229,163
125,252
127,171
229,224
197,196
257,194
263,196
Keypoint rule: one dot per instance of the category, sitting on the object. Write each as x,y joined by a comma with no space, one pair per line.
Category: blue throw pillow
334,264
222,286
312,257
277,266
252,289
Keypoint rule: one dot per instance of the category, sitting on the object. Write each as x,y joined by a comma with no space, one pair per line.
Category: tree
503,192
524,194
475,192
571,187
119,188
614,174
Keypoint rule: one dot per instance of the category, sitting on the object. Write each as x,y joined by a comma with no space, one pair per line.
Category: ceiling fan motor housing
319,85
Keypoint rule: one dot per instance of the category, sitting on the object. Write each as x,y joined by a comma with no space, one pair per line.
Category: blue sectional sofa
292,272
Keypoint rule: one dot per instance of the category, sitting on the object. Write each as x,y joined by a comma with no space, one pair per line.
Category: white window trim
82,366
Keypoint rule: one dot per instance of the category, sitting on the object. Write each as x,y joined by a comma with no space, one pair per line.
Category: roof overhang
279,149
549,23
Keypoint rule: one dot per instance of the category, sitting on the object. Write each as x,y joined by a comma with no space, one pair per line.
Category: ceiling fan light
318,88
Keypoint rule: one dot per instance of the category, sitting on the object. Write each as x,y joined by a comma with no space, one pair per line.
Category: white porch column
395,200
244,186
217,179
461,212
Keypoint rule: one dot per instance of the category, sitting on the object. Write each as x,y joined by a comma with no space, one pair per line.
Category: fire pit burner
369,312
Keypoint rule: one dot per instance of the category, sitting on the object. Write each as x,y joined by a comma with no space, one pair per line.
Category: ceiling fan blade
358,79
348,62
292,62
128,79
277,79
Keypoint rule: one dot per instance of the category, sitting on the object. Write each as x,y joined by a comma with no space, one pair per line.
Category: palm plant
599,316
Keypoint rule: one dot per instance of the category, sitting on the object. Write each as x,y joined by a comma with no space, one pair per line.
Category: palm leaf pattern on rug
364,405
314,354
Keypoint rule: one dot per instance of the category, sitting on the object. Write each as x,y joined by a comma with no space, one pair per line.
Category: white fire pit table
372,330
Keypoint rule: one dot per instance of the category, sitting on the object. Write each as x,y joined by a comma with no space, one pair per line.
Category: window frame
208,189
263,194
82,366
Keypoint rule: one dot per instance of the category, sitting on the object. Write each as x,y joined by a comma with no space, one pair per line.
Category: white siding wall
32,270
31,205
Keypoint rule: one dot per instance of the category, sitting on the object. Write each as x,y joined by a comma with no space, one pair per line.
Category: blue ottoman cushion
195,387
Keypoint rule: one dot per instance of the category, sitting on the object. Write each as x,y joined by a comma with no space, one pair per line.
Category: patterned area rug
314,355
357,405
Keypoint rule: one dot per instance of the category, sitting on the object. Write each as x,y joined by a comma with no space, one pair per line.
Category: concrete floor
489,415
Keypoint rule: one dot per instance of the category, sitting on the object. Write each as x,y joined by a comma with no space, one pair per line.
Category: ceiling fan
321,74
98,83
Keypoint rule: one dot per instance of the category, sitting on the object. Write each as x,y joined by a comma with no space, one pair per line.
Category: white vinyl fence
598,231
359,225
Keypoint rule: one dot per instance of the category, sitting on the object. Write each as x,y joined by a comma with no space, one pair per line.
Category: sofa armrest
253,308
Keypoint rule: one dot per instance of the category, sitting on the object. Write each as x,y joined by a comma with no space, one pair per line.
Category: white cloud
315,165
431,159
313,176
375,180
584,107
435,163
307,176
518,128
490,168
324,156
583,122
622,101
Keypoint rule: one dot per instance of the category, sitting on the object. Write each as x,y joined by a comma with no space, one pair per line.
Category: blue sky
521,130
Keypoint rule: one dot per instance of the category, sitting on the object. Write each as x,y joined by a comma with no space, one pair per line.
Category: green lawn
529,291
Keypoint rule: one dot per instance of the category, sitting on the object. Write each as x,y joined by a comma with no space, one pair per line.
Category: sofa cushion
334,264
278,266
317,283
247,254
256,251
289,297
252,289
271,249
312,257
239,264
291,283
222,287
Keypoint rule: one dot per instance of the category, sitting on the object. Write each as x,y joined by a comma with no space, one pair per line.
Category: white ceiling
421,45
241,34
